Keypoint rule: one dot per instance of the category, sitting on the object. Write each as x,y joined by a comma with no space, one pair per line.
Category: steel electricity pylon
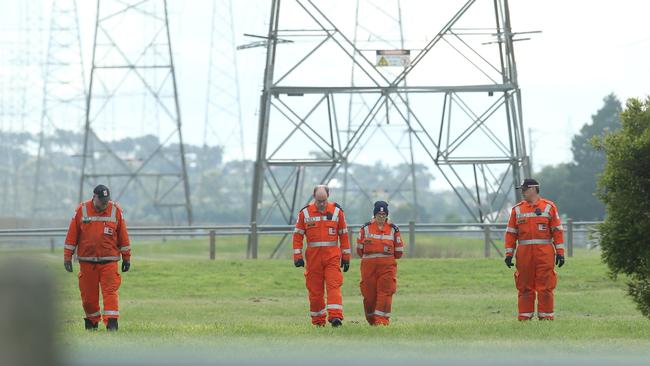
64,99
133,92
379,23
223,118
457,93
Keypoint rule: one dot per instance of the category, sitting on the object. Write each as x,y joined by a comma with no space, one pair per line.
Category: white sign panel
393,58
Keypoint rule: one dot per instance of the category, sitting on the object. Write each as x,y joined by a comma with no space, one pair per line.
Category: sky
586,50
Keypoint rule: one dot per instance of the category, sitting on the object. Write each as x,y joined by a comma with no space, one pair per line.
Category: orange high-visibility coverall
99,239
378,249
322,270
536,232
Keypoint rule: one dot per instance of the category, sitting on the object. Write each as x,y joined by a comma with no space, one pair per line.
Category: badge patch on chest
108,230
311,224
331,231
542,227
521,221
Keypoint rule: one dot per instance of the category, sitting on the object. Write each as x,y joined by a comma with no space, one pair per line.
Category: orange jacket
537,223
374,242
97,236
321,230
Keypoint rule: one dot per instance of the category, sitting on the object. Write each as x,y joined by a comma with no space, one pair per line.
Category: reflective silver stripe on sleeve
558,228
70,247
299,231
545,315
84,210
98,259
527,315
559,246
111,312
305,212
547,210
346,251
535,241
510,250
360,246
376,255
335,306
517,211
322,244
343,231
124,249
297,251
335,216
398,239
97,313
381,313
366,231
511,230
317,313
399,249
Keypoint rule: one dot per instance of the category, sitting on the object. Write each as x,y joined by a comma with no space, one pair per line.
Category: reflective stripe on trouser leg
316,293
333,282
386,287
526,294
89,290
545,282
368,287
110,281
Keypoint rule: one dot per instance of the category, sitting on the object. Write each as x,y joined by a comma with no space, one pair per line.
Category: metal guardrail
491,232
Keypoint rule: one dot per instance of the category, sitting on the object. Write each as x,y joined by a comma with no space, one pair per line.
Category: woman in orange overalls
379,245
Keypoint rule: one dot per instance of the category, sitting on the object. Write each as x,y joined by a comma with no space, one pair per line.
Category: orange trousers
535,278
323,271
378,284
92,276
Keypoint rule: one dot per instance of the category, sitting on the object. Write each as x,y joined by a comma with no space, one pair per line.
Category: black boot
112,324
336,322
89,324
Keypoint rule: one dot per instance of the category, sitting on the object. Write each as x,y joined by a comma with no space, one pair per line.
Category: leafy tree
625,189
573,186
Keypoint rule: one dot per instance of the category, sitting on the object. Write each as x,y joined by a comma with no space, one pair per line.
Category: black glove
299,262
126,265
508,261
559,260
68,266
345,265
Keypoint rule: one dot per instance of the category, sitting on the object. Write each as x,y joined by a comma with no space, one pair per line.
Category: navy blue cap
102,192
527,183
380,206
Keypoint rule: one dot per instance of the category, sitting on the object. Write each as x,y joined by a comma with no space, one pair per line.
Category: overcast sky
587,49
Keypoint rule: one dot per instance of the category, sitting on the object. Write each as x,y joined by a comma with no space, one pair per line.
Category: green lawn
451,307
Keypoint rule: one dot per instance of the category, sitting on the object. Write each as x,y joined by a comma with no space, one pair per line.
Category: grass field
445,309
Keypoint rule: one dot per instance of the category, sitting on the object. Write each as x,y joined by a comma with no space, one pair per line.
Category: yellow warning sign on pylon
393,58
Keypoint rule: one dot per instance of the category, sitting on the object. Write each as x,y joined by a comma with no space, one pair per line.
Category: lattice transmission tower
20,85
379,24
63,106
133,92
459,95
223,117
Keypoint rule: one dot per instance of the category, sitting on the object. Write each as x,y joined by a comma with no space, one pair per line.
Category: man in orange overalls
324,225
379,244
535,231
98,235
